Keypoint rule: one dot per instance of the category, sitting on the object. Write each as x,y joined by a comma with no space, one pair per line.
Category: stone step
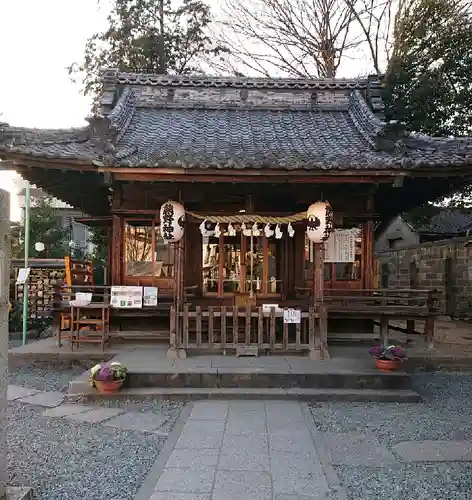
299,394
267,378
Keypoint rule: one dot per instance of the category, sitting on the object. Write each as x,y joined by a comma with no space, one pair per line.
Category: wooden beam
259,177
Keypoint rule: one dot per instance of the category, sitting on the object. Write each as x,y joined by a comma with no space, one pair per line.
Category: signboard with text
292,316
127,297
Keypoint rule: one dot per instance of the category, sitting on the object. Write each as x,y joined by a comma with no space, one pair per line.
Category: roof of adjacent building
446,222
231,122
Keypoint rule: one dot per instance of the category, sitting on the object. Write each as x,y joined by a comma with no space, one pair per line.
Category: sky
35,88
38,40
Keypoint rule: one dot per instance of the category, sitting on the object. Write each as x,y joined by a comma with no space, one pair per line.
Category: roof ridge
123,111
369,125
114,77
458,144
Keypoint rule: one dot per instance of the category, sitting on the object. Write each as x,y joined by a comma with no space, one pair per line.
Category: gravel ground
446,413
65,460
46,376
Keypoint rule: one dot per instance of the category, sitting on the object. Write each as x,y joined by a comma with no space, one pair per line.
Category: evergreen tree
149,36
45,227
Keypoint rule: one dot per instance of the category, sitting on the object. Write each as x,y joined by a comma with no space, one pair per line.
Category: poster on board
127,297
150,296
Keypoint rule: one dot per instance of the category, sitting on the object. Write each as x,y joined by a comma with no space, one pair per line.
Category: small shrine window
145,253
227,265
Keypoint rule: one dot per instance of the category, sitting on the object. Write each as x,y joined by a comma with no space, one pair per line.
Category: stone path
112,417
245,450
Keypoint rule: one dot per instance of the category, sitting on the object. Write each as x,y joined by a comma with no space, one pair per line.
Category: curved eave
76,182
74,144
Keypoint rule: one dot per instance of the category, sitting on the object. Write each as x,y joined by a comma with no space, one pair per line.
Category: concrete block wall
431,261
4,277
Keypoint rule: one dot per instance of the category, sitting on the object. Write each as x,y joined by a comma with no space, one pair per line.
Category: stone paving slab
139,421
186,480
193,458
96,415
209,411
228,451
434,451
15,392
200,434
353,448
48,399
180,496
65,410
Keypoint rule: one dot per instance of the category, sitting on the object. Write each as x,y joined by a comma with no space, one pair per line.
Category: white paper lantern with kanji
319,221
172,216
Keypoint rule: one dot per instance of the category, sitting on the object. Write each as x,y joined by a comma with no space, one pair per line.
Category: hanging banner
341,246
127,297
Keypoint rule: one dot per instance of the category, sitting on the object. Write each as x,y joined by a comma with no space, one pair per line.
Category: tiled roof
203,122
447,221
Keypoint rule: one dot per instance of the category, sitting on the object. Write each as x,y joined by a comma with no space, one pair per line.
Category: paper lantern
320,221
172,221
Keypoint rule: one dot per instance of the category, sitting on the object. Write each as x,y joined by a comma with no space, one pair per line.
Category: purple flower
388,353
376,351
105,374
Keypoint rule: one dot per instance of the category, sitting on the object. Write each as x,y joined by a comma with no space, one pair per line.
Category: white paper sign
23,274
127,297
292,316
150,296
267,307
341,246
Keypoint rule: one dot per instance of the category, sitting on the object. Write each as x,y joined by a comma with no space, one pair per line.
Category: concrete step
299,394
265,378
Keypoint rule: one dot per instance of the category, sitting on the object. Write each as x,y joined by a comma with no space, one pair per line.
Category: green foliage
99,256
150,36
46,227
428,82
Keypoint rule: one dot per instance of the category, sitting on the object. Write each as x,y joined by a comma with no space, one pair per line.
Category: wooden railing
390,302
224,328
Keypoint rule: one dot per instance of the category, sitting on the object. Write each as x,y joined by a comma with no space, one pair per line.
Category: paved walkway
246,450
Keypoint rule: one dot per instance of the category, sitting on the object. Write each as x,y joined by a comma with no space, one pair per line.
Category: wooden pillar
109,255
176,324
368,247
321,335
117,251
410,323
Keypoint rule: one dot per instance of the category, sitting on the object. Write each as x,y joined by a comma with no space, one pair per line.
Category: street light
39,246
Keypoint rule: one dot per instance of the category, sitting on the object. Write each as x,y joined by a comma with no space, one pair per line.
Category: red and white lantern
172,217
319,222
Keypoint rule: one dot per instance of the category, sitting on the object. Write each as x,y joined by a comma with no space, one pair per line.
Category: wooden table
96,315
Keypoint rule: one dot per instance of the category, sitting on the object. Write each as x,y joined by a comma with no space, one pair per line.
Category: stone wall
445,265
4,280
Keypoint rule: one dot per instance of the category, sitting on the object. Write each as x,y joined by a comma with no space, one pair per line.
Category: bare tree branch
301,38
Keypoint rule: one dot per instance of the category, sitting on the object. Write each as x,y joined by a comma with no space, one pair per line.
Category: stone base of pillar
172,353
315,354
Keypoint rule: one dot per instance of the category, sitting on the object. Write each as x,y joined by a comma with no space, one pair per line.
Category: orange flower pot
106,387
387,365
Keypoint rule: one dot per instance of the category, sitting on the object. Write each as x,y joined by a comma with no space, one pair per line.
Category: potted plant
108,377
388,358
